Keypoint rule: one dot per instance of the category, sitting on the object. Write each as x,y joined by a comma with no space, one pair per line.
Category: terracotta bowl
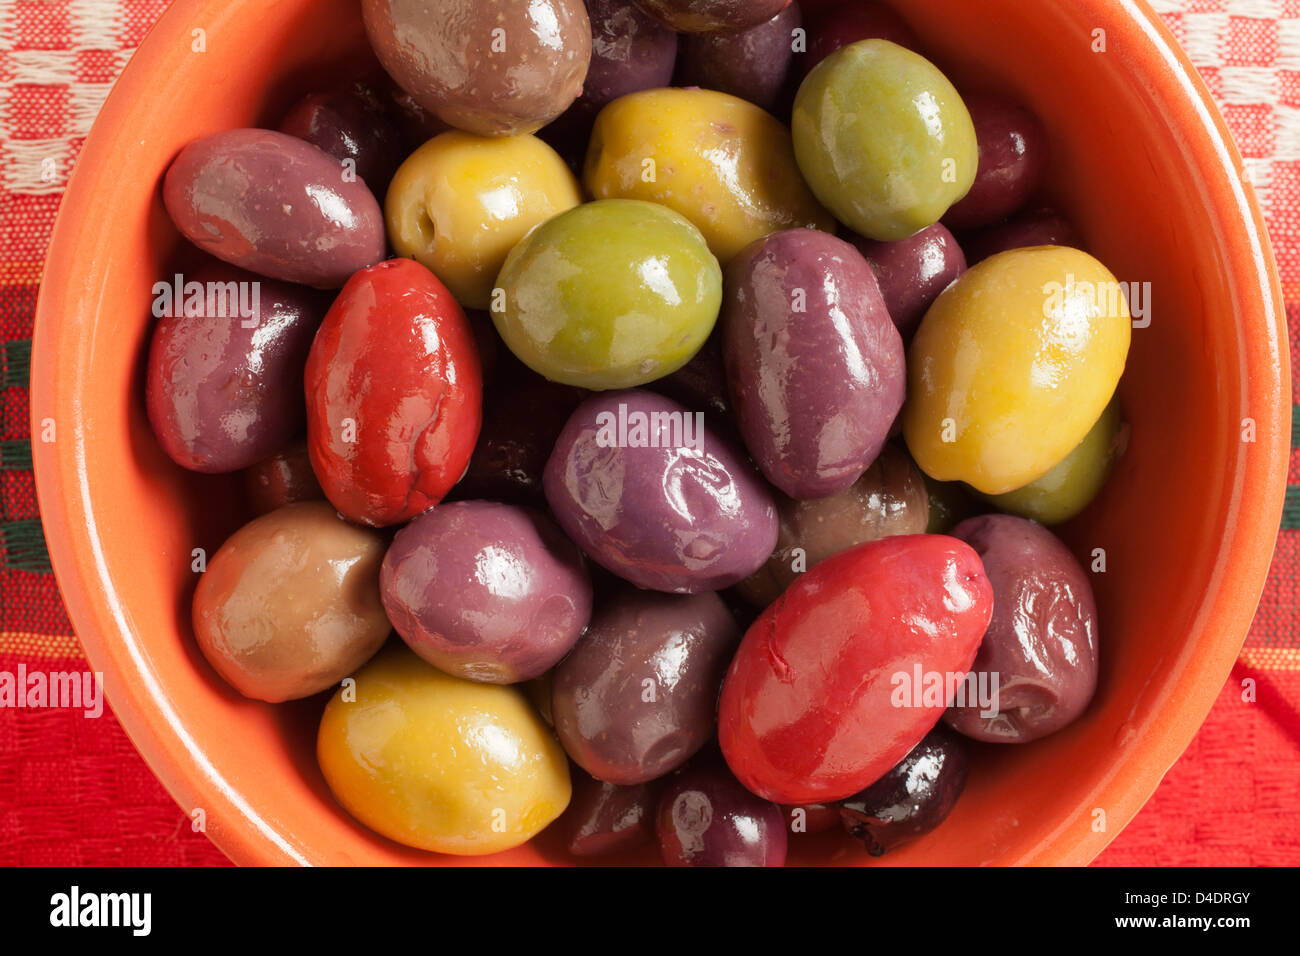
1143,163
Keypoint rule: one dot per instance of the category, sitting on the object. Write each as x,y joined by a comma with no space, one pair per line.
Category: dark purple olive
815,366
275,205
223,386
845,23
913,271
911,799
700,384
604,819
1038,227
1036,670
706,818
352,124
752,64
282,479
1012,163
637,697
522,416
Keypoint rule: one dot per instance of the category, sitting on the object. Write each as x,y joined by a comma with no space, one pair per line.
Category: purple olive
913,271
653,494
911,799
815,365
752,64
275,205
353,125
706,818
1012,161
638,695
1037,666
1038,227
224,382
486,591
604,819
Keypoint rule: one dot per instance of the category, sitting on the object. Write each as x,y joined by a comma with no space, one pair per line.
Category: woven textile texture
74,791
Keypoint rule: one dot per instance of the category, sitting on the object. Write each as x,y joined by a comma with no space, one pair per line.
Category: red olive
394,394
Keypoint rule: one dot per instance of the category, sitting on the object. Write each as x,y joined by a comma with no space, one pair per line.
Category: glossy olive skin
913,271
281,479
222,391
706,818
460,203
611,294
289,605
712,16
1042,640
1044,336
636,698
1067,489
604,819
630,51
1013,161
815,366
351,123
721,162
808,711
394,394
491,67
275,205
439,763
486,591
842,24
674,518
889,499
913,798
514,444
752,64
1037,227
883,139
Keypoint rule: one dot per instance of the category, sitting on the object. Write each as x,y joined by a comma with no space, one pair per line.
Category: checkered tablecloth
74,791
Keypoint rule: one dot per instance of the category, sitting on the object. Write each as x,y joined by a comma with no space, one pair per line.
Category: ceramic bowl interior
1140,161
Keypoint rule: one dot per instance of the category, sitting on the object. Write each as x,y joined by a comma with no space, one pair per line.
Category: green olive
1068,488
612,294
883,139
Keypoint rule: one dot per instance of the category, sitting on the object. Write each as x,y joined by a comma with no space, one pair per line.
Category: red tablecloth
74,791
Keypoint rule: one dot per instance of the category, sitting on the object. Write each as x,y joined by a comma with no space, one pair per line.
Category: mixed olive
664,463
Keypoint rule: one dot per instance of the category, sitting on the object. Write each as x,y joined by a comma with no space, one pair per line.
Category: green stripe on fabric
1291,510
22,546
15,455
1295,426
15,363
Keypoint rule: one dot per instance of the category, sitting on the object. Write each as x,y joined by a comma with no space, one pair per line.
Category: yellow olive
440,763
722,162
460,203
1013,365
